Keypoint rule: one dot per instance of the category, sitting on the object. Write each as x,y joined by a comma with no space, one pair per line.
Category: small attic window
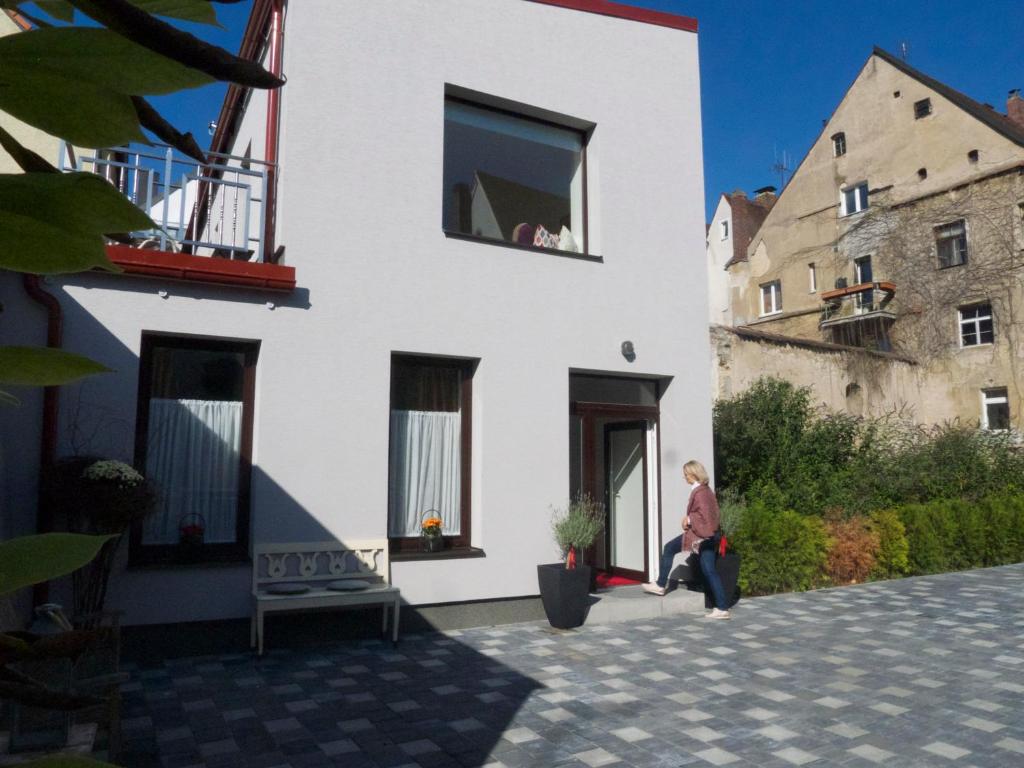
838,144
922,108
895,94
922,173
972,156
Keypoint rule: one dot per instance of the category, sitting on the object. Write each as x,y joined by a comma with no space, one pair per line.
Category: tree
86,85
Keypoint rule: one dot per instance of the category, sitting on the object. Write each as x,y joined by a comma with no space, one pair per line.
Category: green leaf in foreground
58,9
199,11
30,560
44,366
52,223
98,57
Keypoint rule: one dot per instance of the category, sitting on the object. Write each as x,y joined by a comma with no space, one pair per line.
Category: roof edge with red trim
23,23
630,12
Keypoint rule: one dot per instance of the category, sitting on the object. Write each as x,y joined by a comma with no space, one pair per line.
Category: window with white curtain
429,445
193,443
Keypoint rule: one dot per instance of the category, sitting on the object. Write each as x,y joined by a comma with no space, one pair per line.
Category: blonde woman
699,536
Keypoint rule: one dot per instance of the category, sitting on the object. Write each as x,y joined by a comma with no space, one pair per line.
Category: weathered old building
901,231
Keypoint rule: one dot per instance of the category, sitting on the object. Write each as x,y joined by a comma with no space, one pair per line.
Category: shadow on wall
98,418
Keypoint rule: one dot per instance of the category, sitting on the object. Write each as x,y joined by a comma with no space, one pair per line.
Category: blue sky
772,71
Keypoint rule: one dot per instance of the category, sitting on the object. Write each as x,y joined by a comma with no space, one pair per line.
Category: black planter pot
565,594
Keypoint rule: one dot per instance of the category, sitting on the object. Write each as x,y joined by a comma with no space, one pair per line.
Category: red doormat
606,580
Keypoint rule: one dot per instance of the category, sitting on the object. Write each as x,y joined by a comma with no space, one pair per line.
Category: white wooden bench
297,577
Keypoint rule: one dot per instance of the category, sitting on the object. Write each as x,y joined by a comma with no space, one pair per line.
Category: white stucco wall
360,214
719,251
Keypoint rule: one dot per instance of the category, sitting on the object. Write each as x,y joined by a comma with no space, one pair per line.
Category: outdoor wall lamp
628,352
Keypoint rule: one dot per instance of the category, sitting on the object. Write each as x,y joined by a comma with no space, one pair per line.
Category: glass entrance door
625,475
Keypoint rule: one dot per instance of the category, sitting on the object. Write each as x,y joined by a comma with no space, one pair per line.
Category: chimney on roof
765,196
1015,107
739,193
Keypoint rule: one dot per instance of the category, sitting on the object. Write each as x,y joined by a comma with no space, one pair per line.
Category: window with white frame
976,325
951,243
995,408
812,276
854,199
725,230
771,297
839,144
513,178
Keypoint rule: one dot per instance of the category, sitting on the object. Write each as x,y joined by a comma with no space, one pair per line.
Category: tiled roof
997,121
747,216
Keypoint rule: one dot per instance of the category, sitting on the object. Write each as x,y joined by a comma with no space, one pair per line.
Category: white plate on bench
348,585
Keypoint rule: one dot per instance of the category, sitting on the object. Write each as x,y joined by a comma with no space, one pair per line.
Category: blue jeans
708,554
668,553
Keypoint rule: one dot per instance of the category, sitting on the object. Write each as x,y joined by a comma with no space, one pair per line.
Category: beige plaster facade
42,143
933,166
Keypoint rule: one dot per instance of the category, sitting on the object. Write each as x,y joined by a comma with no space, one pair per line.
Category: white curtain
192,455
424,471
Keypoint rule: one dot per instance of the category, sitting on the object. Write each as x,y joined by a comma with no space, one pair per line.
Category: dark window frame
584,140
839,144
922,108
462,542
237,551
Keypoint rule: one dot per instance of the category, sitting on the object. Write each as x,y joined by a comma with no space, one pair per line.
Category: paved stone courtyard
917,672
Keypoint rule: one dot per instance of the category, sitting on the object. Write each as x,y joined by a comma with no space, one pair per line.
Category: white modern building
477,288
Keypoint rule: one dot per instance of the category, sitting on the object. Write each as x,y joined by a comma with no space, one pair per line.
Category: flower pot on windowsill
432,543
565,594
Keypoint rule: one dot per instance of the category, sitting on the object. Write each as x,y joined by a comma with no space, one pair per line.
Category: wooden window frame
838,144
237,551
462,542
975,324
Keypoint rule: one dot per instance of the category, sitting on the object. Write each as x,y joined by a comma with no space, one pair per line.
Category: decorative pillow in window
567,242
288,589
523,234
348,585
544,239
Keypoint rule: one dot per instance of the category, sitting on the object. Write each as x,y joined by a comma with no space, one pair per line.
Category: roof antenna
781,167
904,51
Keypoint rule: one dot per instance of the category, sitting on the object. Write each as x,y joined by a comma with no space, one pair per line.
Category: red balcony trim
202,269
631,12
838,293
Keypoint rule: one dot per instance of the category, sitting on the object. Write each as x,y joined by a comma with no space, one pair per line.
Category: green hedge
784,551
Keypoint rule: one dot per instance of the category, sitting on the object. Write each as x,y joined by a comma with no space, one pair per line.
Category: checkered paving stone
916,672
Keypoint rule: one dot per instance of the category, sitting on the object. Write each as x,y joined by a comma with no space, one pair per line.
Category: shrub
891,559
730,505
577,526
780,550
853,545
1003,520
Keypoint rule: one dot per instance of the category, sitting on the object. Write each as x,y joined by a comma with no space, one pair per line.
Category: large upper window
513,178
194,442
951,243
855,199
430,439
976,325
771,297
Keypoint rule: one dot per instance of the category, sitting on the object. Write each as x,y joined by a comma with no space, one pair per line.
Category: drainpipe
273,122
48,442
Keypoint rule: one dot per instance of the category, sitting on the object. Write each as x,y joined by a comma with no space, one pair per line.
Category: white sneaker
653,588
717,614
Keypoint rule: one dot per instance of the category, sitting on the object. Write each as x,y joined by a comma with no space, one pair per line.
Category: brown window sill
459,553
520,247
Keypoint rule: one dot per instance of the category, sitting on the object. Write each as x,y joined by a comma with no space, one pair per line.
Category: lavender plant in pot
565,586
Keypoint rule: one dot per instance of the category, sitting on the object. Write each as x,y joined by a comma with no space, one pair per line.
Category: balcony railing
852,303
215,209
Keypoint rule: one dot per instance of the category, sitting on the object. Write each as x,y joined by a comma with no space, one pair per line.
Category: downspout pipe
274,59
51,403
